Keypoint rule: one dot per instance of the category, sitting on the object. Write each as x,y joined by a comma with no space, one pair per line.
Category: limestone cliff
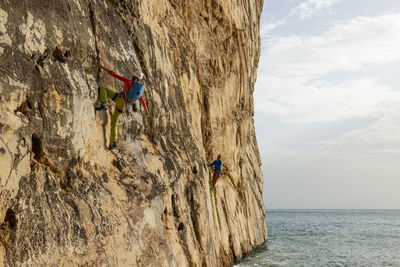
65,199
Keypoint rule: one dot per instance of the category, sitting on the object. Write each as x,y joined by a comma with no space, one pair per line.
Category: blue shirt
217,164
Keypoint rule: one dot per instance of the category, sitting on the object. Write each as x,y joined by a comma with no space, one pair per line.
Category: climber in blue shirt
217,164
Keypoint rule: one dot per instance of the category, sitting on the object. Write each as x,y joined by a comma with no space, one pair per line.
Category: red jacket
127,86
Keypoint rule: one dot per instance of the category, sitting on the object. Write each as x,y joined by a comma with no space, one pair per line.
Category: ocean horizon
329,237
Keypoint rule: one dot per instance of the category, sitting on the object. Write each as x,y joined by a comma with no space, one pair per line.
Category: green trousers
106,93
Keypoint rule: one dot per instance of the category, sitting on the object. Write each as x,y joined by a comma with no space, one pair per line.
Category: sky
327,104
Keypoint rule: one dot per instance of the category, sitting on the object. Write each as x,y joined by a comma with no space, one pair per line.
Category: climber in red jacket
133,90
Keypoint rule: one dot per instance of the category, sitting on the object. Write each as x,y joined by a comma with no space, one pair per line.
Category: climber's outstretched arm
112,73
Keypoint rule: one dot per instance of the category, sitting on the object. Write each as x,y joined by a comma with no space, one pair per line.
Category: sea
329,238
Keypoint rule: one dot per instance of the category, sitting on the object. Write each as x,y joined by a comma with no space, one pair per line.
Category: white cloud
310,7
321,102
381,136
291,82
347,46
267,27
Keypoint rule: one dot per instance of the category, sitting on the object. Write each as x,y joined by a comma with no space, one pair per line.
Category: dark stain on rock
105,177
66,183
39,155
37,147
60,56
157,188
169,164
50,183
194,206
10,219
24,108
117,164
174,207
194,170
42,57
134,107
74,207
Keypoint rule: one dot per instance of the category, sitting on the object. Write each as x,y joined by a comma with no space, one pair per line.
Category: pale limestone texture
65,199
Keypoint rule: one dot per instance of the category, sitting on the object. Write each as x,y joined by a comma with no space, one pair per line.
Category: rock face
65,199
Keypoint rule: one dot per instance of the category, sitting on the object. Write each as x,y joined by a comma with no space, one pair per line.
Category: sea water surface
329,238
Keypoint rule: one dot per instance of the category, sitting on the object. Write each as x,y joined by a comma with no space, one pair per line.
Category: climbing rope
215,198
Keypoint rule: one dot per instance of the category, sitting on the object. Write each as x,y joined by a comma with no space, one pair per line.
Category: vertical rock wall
67,200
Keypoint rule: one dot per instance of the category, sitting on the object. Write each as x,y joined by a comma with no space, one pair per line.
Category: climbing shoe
113,145
101,107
